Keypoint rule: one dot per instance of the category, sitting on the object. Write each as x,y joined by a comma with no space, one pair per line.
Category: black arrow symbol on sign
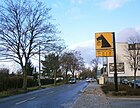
104,41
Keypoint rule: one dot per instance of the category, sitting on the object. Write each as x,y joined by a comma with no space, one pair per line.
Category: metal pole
115,65
39,83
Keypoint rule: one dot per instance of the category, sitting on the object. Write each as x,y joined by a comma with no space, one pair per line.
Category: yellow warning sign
104,53
104,40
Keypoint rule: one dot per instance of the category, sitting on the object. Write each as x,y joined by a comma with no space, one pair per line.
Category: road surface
56,97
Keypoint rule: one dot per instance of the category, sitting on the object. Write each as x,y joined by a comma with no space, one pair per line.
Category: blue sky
79,20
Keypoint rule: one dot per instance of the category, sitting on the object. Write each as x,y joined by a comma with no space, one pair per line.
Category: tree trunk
73,74
24,78
66,76
95,71
55,74
135,78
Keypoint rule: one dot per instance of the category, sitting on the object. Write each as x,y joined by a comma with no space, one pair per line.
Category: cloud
74,13
88,43
125,34
112,4
11,65
57,5
77,1
87,49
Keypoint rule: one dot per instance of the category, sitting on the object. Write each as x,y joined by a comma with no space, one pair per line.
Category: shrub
108,87
31,82
133,92
15,82
46,81
123,90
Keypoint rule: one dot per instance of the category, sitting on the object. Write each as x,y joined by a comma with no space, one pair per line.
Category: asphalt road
56,97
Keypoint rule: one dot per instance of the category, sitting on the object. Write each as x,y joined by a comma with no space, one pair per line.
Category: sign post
115,65
105,47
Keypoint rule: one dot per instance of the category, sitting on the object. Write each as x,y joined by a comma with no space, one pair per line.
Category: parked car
72,80
90,80
125,81
137,83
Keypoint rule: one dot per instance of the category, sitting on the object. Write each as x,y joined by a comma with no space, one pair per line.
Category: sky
79,20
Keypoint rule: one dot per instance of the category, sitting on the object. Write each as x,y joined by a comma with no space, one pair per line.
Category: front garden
124,90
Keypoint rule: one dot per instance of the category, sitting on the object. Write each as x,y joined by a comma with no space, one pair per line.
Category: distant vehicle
125,81
137,83
72,80
90,80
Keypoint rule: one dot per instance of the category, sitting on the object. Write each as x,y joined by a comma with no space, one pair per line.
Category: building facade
124,69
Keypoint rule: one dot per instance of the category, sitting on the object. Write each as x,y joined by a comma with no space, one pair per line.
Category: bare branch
25,25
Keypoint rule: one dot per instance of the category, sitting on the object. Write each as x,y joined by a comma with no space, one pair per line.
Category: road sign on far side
104,40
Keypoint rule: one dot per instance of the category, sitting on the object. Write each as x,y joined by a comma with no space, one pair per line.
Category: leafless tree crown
25,25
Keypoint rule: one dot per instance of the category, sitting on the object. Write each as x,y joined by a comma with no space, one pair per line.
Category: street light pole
39,83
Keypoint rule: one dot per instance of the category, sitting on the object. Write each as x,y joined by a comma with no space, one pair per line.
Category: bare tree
87,73
77,62
133,54
65,64
24,26
94,64
71,61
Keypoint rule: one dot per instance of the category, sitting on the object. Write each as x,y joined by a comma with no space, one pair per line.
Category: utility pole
39,83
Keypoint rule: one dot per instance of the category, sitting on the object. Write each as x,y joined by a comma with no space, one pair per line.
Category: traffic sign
104,53
104,40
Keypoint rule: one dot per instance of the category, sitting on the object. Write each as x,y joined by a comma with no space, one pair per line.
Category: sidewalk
92,97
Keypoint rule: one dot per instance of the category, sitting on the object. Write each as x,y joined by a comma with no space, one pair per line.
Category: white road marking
25,100
21,102
50,92
32,98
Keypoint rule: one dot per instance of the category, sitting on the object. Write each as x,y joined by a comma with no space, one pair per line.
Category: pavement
92,97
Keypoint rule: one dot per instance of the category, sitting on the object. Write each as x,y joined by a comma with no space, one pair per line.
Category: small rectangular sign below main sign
104,53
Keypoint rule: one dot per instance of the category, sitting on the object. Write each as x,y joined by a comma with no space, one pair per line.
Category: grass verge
12,92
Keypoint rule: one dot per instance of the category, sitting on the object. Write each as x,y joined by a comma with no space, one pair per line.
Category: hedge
15,82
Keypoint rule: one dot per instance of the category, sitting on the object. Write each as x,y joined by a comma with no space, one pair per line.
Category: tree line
54,66
26,29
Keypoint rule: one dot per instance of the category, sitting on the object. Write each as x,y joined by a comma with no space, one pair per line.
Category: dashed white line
32,98
50,92
21,102
25,100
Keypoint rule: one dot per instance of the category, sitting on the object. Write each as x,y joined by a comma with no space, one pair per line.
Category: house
124,69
